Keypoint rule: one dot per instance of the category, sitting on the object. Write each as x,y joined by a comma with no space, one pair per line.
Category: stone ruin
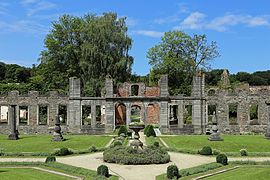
36,113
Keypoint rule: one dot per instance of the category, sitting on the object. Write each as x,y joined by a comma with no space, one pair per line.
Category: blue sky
241,28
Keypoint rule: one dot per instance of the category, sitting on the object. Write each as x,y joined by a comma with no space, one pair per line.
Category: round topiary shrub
150,131
92,149
173,172
50,159
63,152
243,152
146,129
129,155
122,130
103,170
222,159
206,150
156,144
117,143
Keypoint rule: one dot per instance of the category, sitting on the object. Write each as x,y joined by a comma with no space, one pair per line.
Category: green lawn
28,173
245,173
231,143
43,143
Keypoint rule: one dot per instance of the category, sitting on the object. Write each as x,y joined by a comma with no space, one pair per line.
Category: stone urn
136,128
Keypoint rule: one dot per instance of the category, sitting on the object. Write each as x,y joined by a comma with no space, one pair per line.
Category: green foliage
63,152
93,149
180,56
173,172
122,129
146,129
50,159
90,48
222,159
206,150
156,144
150,131
103,170
244,152
128,155
117,143
199,169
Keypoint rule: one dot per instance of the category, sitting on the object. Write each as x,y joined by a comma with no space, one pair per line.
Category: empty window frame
253,114
23,115
233,114
211,113
134,90
86,115
188,114
98,115
173,114
62,113
42,114
4,114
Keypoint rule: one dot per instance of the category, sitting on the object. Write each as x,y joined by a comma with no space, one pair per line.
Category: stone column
12,122
180,114
74,110
128,113
93,114
109,111
267,135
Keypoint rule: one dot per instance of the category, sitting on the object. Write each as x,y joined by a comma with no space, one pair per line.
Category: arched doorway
120,114
135,114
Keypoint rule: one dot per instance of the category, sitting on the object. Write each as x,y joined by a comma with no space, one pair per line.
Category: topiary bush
146,129
150,131
122,130
244,152
128,155
173,172
156,144
93,149
117,143
50,159
222,159
63,152
206,150
103,170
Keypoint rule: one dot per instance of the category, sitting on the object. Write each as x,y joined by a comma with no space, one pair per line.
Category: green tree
89,47
180,56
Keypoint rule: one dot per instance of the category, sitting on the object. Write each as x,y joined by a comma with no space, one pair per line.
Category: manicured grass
43,143
245,173
28,173
231,143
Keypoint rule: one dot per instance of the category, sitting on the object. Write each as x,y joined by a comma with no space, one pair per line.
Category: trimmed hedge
150,131
173,172
63,152
222,159
128,155
122,130
103,170
50,159
206,150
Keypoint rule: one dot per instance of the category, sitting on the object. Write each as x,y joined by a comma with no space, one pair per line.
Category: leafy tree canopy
89,47
180,56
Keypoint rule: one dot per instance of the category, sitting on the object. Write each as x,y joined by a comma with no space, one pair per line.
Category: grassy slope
231,143
29,174
43,143
246,173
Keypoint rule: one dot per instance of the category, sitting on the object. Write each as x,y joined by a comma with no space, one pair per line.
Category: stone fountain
215,133
57,135
136,143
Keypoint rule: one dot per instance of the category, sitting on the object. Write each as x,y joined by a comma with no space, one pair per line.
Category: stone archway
120,114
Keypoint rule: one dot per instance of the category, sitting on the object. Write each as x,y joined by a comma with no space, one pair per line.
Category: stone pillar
164,114
198,104
12,122
145,112
109,123
74,109
109,87
267,134
180,114
128,113
93,114
163,84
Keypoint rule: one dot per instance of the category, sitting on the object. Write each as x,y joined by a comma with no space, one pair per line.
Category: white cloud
155,34
131,21
23,26
193,21
3,8
197,20
35,6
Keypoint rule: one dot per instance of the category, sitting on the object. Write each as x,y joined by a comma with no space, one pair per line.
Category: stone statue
215,133
57,136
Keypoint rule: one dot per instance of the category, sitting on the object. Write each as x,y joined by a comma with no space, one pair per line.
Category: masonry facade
241,110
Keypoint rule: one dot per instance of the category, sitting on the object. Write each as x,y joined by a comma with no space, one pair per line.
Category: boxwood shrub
128,155
206,150
122,130
50,159
103,170
173,172
63,152
222,159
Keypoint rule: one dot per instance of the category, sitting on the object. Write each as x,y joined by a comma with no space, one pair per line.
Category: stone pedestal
267,134
14,135
215,134
57,136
